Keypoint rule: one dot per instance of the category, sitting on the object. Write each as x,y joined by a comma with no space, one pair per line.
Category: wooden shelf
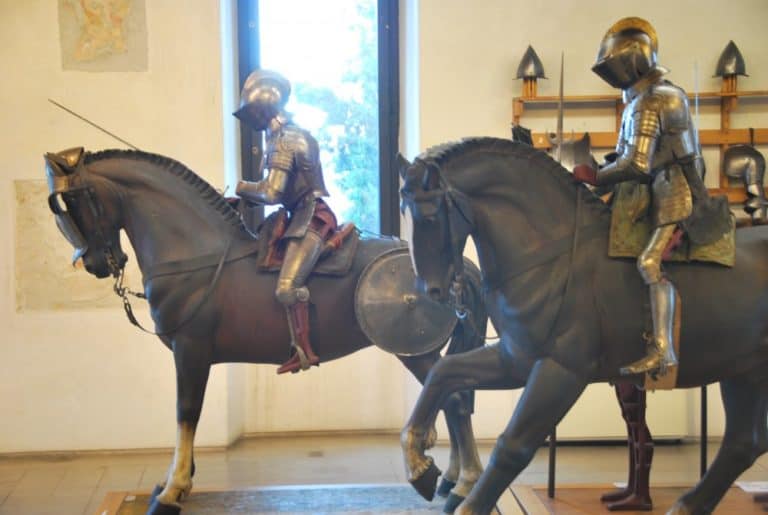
707,137
736,195
723,137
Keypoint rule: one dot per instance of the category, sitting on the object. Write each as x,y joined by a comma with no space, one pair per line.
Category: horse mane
207,192
439,155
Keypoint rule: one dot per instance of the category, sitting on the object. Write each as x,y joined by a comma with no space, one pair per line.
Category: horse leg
479,368
636,495
746,438
549,393
470,465
464,466
192,362
450,474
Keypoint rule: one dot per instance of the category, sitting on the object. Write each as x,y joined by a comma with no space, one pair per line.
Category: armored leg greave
300,258
649,262
664,304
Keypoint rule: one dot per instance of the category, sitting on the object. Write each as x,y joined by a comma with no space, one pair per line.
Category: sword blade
89,122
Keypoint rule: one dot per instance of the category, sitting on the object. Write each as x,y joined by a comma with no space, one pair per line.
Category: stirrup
294,363
655,364
298,323
649,364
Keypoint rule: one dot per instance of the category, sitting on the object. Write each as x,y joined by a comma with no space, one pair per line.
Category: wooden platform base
304,499
585,500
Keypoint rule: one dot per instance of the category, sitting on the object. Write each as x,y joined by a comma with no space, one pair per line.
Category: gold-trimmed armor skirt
632,226
671,199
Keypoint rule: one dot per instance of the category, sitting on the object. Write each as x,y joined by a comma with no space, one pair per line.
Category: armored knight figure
295,180
657,145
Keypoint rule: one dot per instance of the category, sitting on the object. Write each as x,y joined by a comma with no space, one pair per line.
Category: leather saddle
336,258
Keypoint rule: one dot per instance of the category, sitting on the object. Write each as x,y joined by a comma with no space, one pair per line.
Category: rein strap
182,266
123,292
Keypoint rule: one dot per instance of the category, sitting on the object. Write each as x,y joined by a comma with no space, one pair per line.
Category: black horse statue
208,299
569,315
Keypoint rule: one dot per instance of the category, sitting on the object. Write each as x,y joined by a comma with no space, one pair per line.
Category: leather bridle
75,184
458,213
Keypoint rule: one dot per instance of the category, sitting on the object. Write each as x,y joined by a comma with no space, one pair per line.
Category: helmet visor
619,70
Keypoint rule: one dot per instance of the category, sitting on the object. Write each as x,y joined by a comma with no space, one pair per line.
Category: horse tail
470,330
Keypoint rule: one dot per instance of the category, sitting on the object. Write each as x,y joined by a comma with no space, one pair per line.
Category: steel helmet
627,52
264,96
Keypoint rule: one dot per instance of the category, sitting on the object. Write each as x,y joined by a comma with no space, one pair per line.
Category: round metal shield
393,314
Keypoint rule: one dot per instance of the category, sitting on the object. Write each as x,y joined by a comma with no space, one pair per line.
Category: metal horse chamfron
569,315
210,302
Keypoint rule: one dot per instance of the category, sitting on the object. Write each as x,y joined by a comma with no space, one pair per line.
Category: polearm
89,122
703,389
558,156
560,109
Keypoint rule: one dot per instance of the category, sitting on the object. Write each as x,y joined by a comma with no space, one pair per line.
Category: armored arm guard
676,124
267,191
641,130
270,190
279,165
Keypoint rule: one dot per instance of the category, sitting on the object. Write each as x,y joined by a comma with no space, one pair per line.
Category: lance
89,122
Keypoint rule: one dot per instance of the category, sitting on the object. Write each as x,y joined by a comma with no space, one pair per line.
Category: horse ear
402,165
56,166
66,160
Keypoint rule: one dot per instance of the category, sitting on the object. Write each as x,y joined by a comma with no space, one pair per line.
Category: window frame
251,144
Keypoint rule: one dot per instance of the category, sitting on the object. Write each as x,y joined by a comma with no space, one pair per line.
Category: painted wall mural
45,277
103,35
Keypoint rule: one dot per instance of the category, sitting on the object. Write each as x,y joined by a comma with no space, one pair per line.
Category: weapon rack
723,137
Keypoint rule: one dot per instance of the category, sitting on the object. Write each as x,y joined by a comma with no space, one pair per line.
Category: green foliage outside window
349,136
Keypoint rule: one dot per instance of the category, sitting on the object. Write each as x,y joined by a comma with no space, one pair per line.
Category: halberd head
627,52
264,96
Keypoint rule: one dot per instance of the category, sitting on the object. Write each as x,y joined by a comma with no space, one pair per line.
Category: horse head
86,212
438,218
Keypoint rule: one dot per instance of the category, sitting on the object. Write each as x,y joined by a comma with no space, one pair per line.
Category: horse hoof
446,485
452,503
158,508
679,508
426,483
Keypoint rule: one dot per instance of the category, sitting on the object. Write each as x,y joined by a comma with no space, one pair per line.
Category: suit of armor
295,180
657,145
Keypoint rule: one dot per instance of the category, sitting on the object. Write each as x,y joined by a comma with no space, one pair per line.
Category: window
341,59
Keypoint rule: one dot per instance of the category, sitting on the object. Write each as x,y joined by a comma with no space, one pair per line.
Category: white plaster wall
87,379
468,54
